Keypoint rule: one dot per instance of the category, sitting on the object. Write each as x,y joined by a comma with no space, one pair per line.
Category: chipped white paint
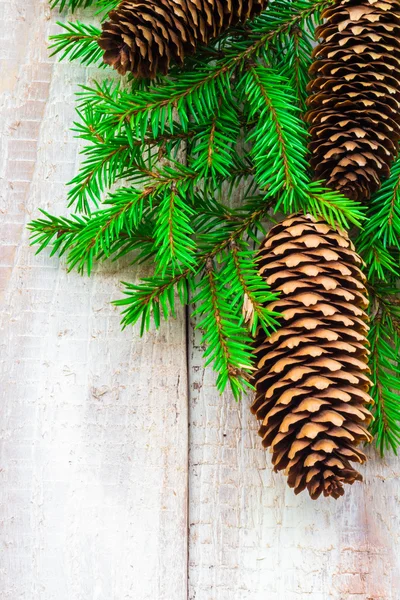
93,421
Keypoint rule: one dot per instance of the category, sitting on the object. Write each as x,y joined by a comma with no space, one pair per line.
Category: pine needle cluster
160,161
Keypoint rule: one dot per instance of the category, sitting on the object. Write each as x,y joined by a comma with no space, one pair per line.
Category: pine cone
311,382
145,37
355,102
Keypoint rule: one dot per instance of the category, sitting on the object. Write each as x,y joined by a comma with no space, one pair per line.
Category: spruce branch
248,289
382,264
290,54
77,42
106,232
213,147
384,337
71,4
152,297
379,241
196,91
210,245
106,161
281,167
173,232
114,153
103,6
279,151
228,345
335,208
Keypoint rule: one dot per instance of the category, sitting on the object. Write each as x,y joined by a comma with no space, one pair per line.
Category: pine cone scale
311,375
354,97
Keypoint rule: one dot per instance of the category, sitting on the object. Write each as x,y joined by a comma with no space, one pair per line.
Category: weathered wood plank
93,421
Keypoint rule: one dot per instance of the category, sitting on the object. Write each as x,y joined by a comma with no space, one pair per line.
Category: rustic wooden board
94,480
93,421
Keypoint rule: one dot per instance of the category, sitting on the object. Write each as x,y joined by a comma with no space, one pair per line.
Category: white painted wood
93,421
251,538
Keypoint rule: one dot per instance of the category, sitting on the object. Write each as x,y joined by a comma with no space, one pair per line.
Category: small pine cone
310,379
354,106
145,37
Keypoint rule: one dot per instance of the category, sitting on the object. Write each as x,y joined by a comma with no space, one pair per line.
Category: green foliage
278,138
247,286
384,337
227,339
214,145
160,161
100,5
379,242
78,42
71,4
173,232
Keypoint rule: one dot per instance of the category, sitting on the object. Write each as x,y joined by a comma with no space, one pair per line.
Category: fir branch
383,217
78,42
213,147
335,208
228,345
103,6
278,138
384,337
210,246
248,289
71,4
175,248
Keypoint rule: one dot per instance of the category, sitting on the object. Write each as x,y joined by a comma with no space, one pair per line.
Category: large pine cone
355,102
145,37
310,379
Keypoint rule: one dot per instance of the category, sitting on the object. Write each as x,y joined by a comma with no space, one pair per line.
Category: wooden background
123,474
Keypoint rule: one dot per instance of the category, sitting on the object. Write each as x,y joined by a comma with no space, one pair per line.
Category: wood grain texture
93,421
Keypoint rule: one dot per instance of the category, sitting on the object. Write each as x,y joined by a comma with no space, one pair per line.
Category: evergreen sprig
278,139
227,340
77,42
384,337
73,5
159,162
379,241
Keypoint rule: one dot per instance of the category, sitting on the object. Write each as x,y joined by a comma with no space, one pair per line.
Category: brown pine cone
310,378
354,106
145,37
